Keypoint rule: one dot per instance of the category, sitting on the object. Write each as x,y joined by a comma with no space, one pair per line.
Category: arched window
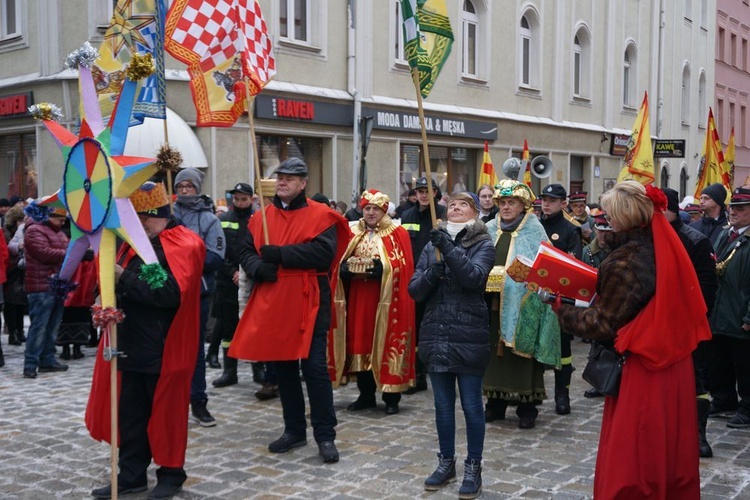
683,181
581,63
528,50
664,175
629,76
685,113
702,106
469,56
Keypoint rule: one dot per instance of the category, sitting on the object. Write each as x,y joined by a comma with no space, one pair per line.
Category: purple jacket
45,249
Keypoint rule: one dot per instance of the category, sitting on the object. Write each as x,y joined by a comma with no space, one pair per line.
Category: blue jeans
45,313
470,389
198,384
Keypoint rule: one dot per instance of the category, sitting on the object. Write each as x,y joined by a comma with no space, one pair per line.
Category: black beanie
716,192
673,203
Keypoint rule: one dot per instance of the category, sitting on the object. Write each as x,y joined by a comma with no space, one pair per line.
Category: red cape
167,427
669,328
278,322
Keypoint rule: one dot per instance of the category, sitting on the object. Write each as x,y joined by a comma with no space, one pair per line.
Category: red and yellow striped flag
526,161
712,167
729,156
487,175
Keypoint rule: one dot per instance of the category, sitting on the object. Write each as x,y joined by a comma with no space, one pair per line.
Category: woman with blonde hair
647,445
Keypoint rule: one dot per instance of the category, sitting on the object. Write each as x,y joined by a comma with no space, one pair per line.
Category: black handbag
604,369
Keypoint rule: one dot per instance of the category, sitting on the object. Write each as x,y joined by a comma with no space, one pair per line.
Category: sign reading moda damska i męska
400,121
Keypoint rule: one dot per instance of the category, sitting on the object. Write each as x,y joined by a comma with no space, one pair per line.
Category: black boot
229,376
213,361
495,409
259,372
77,354
471,487
13,338
2,358
562,393
21,336
704,449
444,474
65,352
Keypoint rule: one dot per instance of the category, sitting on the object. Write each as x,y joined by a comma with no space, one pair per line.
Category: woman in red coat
648,301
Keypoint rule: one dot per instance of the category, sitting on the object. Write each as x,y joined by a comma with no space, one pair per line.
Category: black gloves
88,255
376,271
267,272
344,272
441,240
437,270
271,254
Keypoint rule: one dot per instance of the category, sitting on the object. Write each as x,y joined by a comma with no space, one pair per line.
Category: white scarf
454,228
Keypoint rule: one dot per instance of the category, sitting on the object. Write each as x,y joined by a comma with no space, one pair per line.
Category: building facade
568,76
733,81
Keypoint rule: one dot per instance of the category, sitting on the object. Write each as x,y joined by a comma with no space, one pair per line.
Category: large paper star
97,181
125,28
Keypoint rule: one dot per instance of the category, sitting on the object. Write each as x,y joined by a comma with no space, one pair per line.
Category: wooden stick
428,169
113,408
169,172
251,122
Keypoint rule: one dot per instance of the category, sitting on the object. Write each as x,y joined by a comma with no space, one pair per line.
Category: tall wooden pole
113,410
251,122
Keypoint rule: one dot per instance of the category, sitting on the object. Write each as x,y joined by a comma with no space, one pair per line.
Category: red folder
555,271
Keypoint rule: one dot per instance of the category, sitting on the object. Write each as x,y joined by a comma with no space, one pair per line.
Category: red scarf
167,427
673,322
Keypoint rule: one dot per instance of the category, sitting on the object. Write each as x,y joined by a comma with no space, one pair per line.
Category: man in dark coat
289,312
729,349
159,336
565,236
418,221
712,201
701,253
226,303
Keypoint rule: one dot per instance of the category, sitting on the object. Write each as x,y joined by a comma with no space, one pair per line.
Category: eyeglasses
184,186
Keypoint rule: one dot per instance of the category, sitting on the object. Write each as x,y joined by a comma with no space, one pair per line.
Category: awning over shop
145,140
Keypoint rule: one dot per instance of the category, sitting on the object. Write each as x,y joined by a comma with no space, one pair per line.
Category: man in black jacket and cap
418,222
567,237
713,203
701,253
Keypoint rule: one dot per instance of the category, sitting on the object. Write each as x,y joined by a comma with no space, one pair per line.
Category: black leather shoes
526,422
362,404
592,393
391,409
164,491
106,491
420,386
57,367
285,443
328,452
29,373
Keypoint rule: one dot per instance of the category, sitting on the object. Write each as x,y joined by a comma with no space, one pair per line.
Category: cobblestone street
46,452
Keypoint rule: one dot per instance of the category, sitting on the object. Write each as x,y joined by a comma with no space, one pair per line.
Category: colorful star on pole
97,181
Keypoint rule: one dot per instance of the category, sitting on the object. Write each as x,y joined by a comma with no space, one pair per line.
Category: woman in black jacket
454,335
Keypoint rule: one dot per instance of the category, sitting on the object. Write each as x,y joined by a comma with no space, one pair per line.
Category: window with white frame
683,180
704,14
399,55
294,20
685,114
629,77
528,50
581,63
102,13
10,19
470,25
702,106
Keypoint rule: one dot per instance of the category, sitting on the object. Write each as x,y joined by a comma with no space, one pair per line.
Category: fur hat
191,175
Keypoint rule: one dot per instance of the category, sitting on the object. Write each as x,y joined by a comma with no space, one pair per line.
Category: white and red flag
226,45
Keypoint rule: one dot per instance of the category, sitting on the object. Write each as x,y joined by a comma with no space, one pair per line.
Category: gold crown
514,189
149,196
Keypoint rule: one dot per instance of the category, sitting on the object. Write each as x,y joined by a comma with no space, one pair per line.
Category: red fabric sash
167,427
673,322
4,259
278,322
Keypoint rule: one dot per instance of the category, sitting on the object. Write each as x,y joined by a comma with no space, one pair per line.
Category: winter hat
321,198
192,175
151,199
469,197
673,200
716,192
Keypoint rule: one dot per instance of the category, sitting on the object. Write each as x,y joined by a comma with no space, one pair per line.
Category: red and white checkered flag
214,35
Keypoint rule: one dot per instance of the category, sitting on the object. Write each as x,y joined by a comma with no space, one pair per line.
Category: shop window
18,172
273,149
453,169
